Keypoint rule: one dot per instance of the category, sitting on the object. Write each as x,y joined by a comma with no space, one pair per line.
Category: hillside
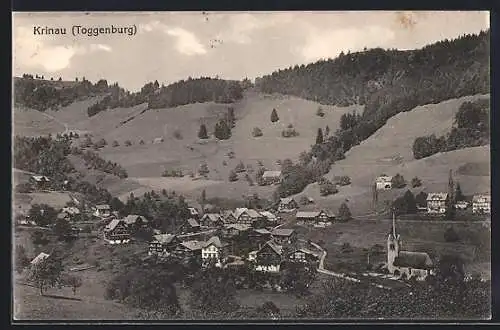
389,151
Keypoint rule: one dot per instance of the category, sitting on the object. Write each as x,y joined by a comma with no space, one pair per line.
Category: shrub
128,143
274,116
202,133
233,176
398,181
141,142
343,180
115,144
257,132
101,143
240,167
320,112
327,188
289,132
416,182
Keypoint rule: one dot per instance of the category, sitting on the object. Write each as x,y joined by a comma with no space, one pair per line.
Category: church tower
393,246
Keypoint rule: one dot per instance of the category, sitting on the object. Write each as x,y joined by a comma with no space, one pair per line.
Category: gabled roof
418,260
437,196
227,214
40,178
481,198
164,238
132,218
112,225
239,211
282,232
42,256
253,213
262,231
275,247
214,240
193,223
271,174
103,207
287,200
306,251
212,216
193,211
384,178
307,214
268,215
238,226
71,210
193,245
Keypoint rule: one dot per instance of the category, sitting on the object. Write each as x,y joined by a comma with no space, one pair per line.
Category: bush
405,204
172,173
274,116
240,167
257,132
128,143
224,163
87,229
398,181
202,133
115,144
101,143
289,132
344,213
346,248
320,112
141,142
233,176
416,182
327,188
343,180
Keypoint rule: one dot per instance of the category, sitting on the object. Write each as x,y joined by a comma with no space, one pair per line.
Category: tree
320,112
203,200
42,214
327,131
116,204
62,229
233,176
21,260
74,282
222,130
459,196
398,181
343,180
231,119
319,136
202,133
344,214
421,199
326,188
274,116
450,267
37,237
46,273
257,132
115,144
416,182
405,204
203,170
128,143
240,167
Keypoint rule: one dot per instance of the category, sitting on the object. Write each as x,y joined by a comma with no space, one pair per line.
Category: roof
282,232
112,224
481,198
193,245
287,200
306,251
62,215
227,214
239,211
238,226
276,248
193,223
132,218
384,178
437,196
193,211
262,231
212,216
42,256
164,238
307,214
271,174
418,260
215,241
268,214
40,178
71,210
253,213
103,207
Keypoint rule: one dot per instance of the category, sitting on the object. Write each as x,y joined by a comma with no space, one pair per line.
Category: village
264,240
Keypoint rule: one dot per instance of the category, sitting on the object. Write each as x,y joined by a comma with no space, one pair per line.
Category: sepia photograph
251,166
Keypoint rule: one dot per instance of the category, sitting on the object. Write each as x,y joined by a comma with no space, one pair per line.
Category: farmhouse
271,177
211,220
234,229
103,210
383,182
436,203
287,205
481,204
190,226
314,217
302,255
259,236
193,212
116,232
406,263
135,222
461,205
247,216
283,236
39,258
190,249
163,244
269,216
268,258
214,251
228,216
39,181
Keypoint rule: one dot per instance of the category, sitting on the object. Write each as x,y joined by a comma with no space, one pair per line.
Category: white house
384,182
436,203
213,250
39,258
481,204
103,210
116,232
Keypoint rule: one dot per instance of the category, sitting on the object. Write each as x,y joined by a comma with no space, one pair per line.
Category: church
406,263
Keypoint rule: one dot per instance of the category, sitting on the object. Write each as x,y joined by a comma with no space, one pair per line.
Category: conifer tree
274,116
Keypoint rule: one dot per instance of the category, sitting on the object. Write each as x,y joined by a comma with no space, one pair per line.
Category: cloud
187,43
35,51
328,44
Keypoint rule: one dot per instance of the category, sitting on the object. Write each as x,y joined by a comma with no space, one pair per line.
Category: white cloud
328,44
34,51
186,43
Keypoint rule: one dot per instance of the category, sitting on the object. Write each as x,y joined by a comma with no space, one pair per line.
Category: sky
170,46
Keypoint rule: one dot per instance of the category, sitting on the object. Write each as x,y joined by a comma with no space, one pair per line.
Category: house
103,210
247,216
135,222
271,177
214,251
481,204
62,216
190,249
313,217
269,216
212,220
193,212
259,236
116,232
39,258
302,255
39,181
228,216
461,205
268,258
287,205
283,236
70,210
163,244
234,229
191,226
436,203
406,263
383,182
